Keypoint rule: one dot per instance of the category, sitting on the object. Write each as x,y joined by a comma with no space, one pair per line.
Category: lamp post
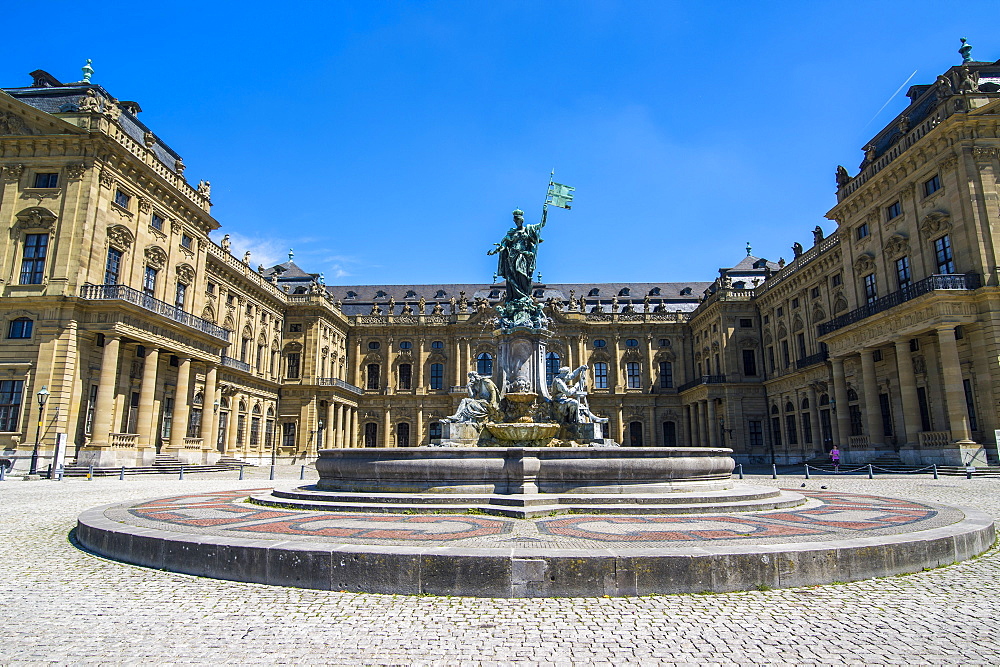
42,396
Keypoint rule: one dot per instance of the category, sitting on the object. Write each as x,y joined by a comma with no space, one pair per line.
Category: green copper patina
88,71
965,50
517,252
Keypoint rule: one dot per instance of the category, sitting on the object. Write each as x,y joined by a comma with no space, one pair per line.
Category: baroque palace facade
151,339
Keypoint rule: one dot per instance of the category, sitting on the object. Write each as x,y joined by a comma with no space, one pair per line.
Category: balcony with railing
704,379
944,281
812,359
337,382
162,308
229,362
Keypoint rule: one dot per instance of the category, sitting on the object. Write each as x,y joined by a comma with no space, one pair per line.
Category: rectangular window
855,418
876,355
755,431
600,375
776,431
180,295
437,376
862,231
255,431
156,222
373,376
113,266
871,290
883,402
903,275
795,302
814,293
793,435
666,375
194,423
46,180
292,365
801,340
241,429
133,413
942,251
405,376
807,431
780,312
260,359
88,420
122,199
746,323
295,327
786,357
749,363
269,434
11,394
837,279
932,185
20,328
893,210
669,434
168,418
970,403
632,373
770,358
186,240
288,434
149,282
244,350
33,260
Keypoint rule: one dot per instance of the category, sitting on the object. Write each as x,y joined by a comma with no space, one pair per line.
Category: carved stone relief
120,237
35,217
185,273
155,257
864,264
12,172
934,223
11,123
896,245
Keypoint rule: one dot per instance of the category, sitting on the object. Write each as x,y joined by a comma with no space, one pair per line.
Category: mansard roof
751,263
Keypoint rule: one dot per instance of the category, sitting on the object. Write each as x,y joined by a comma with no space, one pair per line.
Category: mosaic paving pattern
832,515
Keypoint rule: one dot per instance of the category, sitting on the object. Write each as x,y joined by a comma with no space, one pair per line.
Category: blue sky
387,142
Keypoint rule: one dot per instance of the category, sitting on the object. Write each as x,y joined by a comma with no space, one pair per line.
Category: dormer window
299,290
538,293
410,294
594,292
495,294
739,284
686,291
351,295
380,294
654,292
439,294
624,292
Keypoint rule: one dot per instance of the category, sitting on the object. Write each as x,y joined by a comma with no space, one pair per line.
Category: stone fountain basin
516,470
522,432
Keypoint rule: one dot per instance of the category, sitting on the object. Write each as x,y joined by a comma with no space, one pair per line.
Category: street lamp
42,396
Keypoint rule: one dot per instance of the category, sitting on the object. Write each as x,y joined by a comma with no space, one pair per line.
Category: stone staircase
163,464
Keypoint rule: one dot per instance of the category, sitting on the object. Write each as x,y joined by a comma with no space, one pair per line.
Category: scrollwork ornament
185,273
948,162
35,217
12,172
107,179
864,264
984,154
75,172
120,237
896,245
934,223
145,206
155,257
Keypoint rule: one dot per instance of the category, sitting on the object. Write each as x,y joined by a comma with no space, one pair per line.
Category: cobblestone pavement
61,605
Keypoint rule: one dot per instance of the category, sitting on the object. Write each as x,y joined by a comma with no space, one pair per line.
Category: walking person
835,458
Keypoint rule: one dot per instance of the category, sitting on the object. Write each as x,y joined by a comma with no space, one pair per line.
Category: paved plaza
65,606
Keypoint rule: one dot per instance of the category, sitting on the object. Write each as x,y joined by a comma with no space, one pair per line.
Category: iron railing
135,297
337,382
704,379
817,358
944,281
229,362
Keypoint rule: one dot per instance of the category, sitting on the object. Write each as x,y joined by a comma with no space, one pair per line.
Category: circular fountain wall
516,470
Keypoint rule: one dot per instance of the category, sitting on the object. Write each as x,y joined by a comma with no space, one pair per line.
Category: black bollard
181,476
272,472
241,473
935,471
871,474
302,473
90,473
121,475
807,471
774,471
3,472
740,466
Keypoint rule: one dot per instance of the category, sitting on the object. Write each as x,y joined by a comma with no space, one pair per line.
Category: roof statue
965,50
88,71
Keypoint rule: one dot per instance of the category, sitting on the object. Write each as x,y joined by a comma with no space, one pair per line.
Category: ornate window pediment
185,273
934,223
898,244
864,264
35,217
120,237
155,257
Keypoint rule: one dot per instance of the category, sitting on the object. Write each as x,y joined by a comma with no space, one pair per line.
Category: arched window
631,342
600,342
789,407
805,403
852,395
20,328
437,345
600,375
402,434
551,366
269,428
635,434
405,345
437,376
484,363
371,434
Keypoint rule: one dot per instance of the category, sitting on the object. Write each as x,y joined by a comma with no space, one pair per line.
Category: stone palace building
881,337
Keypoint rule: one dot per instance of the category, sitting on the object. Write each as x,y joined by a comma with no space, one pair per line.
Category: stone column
843,413
417,432
703,423
908,392
418,371
954,391
178,430
622,436
208,413
329,430
338,429
654,432
387,439
694,411
712,423
456,366
352,433
231,426
618,381
650,371
106,389
873,409
147,392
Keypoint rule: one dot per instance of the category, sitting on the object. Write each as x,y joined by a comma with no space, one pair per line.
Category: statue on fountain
516,265
569,397
482,403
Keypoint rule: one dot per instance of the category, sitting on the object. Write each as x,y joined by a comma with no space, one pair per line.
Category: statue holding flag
517,252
